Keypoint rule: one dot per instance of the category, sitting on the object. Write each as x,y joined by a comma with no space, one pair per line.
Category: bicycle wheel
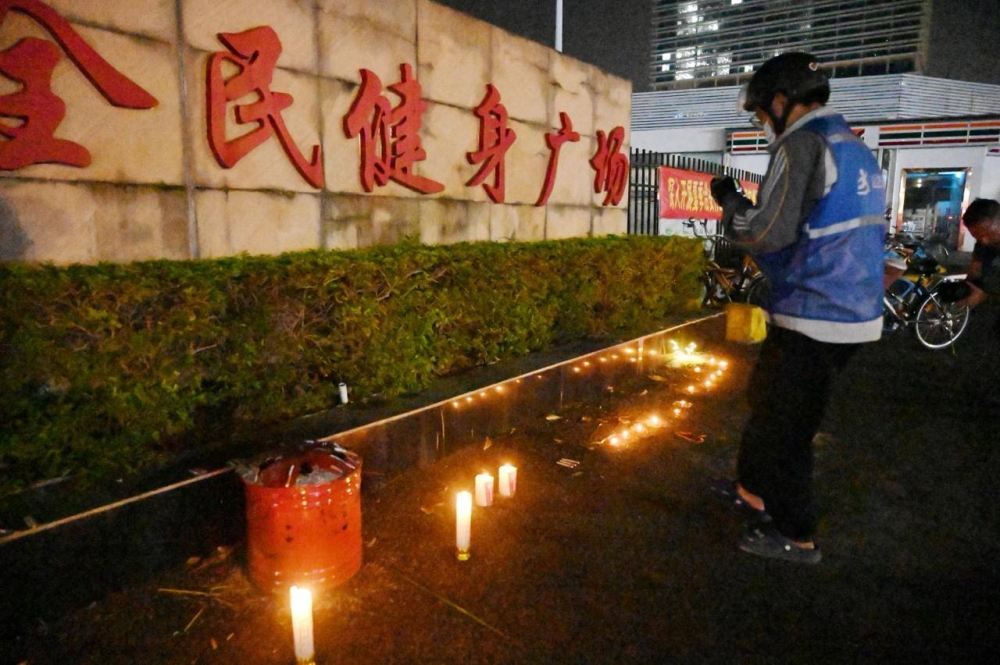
939,324
715,293
891,322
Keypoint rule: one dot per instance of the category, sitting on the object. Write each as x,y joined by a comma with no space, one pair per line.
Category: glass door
932,204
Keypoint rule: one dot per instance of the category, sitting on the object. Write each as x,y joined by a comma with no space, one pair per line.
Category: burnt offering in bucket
303,518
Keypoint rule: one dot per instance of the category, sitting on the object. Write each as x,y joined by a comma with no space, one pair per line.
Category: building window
712,40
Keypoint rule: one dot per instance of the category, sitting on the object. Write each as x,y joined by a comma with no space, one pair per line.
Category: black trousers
788,393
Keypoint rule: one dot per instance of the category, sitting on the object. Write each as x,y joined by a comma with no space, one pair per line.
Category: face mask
769,134
765,127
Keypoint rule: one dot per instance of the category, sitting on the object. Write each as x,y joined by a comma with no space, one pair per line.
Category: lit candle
484,489
463,524
508,480
302,625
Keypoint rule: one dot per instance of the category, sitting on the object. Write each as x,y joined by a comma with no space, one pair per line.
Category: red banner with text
684,194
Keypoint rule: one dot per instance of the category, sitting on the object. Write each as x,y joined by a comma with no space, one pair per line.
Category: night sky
611,34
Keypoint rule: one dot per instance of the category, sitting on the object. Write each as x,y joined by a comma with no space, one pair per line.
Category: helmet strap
779,122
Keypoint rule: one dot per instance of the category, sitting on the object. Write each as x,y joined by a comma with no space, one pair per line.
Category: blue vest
828,284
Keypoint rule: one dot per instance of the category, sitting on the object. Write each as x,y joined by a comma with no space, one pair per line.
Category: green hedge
110,369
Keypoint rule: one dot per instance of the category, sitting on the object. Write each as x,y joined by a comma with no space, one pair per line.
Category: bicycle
917,302
731,275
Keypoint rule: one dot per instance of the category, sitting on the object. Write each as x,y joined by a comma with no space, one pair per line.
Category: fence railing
644,182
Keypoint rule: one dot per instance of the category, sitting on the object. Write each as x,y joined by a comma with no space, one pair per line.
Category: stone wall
155,189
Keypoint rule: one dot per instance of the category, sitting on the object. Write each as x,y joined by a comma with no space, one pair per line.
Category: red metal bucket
309,535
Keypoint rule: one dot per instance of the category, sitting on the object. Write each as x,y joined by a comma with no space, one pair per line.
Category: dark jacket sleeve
796,179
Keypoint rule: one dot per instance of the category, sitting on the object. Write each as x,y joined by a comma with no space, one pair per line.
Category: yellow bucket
745,323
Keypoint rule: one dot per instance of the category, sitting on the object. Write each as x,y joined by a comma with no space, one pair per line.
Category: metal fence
644,182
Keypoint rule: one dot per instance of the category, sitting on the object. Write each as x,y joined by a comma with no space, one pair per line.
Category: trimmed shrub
108,370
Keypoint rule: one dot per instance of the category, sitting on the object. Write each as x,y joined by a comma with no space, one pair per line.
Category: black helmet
796,75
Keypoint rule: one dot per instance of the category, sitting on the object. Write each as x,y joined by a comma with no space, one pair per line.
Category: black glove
723,188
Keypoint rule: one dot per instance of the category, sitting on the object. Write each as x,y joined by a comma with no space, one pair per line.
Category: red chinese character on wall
36,109
495,138
611,166
390,137
555,142
255,52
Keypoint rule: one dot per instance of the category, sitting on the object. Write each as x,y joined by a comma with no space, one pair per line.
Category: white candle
508,480
302,624
484,489
343,393
463,524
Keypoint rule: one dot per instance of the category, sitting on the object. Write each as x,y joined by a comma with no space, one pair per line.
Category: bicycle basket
726,254
952,291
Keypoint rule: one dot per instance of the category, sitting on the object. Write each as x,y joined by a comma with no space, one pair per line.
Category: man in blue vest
816,231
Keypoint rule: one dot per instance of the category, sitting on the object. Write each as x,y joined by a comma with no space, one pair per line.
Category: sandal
726,490
768,543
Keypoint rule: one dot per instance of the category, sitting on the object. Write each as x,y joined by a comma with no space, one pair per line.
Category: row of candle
484,497
301,599
676,357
